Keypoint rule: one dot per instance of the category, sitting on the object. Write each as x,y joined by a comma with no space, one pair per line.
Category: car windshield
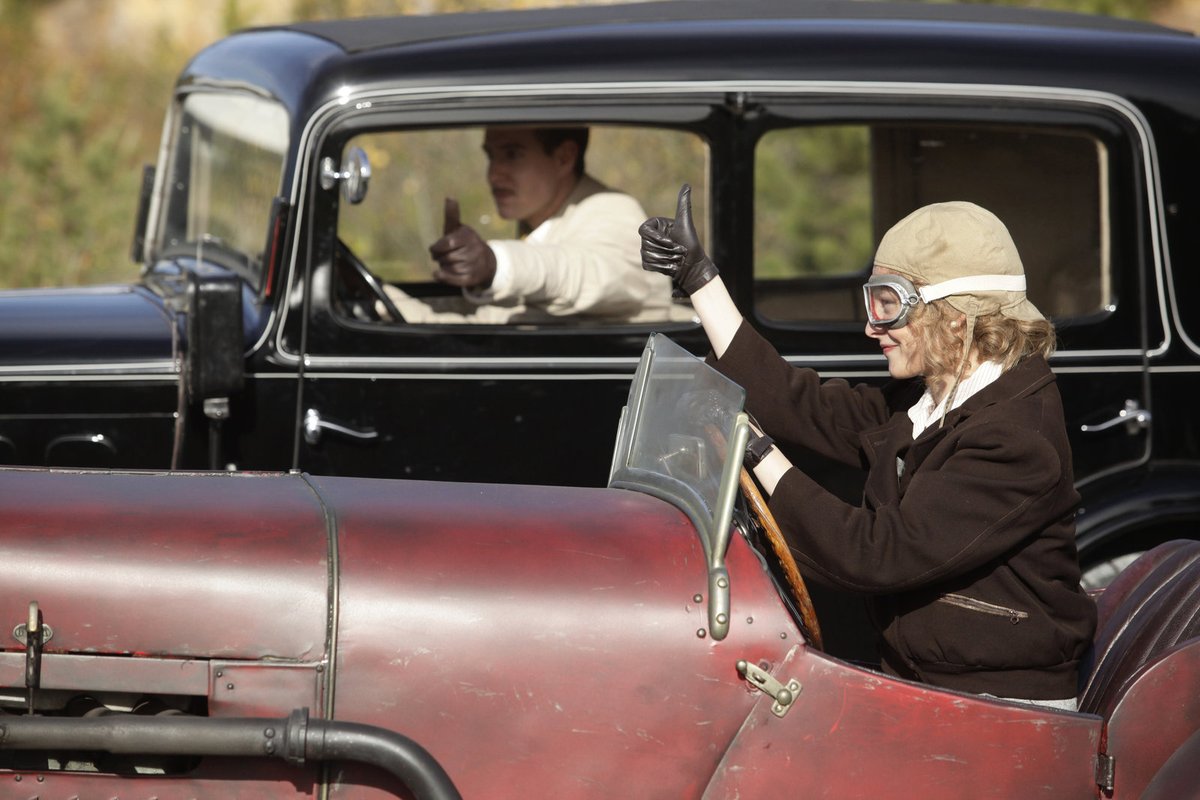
224,170
681,438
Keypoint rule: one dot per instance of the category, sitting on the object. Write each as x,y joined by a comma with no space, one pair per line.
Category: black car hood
85,326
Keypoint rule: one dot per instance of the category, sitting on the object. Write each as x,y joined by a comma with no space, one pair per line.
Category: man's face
527,183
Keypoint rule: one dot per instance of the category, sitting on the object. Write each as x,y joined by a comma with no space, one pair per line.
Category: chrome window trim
526,370
628,363
363,101
166,371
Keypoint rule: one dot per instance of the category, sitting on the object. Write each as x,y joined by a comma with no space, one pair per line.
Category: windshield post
681,439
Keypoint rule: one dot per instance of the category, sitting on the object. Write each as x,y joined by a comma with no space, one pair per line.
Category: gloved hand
464,258
671,246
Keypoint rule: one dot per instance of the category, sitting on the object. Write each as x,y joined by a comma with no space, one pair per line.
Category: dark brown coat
965,538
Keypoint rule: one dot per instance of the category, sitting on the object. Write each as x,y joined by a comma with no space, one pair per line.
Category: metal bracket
1106,771
784,695
21,633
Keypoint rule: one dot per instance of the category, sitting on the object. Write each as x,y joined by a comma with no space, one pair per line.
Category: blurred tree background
84,85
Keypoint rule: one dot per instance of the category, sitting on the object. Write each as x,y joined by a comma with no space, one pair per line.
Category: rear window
825,194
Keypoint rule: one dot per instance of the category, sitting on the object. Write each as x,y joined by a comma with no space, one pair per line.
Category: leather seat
1150,608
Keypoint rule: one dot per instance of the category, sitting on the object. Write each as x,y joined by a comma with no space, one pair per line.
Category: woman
965,540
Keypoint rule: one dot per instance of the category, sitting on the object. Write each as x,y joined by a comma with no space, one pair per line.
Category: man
578,251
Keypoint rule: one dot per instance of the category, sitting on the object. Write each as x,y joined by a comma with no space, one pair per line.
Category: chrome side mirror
354,175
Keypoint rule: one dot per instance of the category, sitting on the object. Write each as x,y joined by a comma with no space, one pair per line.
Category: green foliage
72,154
812,202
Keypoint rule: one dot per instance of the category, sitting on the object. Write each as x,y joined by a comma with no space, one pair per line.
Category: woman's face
904,349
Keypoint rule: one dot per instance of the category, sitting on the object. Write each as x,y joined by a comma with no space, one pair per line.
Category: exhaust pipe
294,738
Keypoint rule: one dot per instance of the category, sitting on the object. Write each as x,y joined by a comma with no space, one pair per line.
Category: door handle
313,425
1133,417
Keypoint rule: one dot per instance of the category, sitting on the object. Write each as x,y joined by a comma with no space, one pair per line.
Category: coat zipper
971,604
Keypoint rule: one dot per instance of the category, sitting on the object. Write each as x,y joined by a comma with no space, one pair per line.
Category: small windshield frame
681,438
226,155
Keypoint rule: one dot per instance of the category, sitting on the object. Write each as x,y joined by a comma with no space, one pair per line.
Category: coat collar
1026,377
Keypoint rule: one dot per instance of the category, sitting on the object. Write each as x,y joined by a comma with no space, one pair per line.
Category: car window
413,171
825,194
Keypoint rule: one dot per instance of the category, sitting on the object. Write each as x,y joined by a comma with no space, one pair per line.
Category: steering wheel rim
779,548
370,280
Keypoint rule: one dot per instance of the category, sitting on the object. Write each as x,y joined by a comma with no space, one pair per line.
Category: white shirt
924,412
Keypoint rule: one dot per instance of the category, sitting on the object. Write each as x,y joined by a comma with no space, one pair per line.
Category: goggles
889,298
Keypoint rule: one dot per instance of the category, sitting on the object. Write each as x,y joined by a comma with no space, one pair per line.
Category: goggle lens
887,301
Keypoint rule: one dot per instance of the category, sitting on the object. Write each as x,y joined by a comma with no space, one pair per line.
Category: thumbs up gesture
463,257
672,247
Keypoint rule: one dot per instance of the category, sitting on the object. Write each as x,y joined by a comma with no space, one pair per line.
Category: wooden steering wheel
779,548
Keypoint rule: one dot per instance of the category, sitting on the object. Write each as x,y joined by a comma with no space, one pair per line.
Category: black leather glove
464,258
671,246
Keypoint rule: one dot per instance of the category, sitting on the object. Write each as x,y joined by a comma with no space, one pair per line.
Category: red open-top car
283,635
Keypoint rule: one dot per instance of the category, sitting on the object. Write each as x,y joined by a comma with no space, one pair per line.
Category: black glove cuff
700,274
757,449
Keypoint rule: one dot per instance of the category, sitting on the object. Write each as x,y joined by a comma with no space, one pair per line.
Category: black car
304,166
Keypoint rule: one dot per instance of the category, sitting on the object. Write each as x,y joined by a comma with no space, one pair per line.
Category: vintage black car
303,166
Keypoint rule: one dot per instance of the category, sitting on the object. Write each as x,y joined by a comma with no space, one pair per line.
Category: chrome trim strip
1131,368
139,371
676,89
533,362
468,376
617,376
616,362
1177,368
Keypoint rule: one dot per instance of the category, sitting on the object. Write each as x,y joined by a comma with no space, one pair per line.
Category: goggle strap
973,283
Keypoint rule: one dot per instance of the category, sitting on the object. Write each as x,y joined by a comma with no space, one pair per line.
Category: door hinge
1106,770
784,694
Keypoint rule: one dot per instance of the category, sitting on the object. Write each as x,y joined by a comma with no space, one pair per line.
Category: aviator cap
965,255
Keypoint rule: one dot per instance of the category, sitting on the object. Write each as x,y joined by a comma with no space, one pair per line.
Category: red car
182,635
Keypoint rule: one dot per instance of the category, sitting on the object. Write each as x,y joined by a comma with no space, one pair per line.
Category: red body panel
212,566
1157,714
539,642
857,733
539,648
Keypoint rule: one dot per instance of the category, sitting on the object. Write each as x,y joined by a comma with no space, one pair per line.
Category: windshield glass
224,170
676,434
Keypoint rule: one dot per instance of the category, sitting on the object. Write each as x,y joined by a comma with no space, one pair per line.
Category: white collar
925,411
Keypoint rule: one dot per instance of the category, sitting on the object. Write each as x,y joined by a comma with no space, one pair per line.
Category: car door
526,402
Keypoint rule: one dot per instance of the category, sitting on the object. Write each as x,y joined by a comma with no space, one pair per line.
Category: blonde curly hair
995,336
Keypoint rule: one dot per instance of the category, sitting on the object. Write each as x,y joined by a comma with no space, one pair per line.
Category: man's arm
587,261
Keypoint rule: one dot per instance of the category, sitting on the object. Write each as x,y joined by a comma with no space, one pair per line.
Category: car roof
373,33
